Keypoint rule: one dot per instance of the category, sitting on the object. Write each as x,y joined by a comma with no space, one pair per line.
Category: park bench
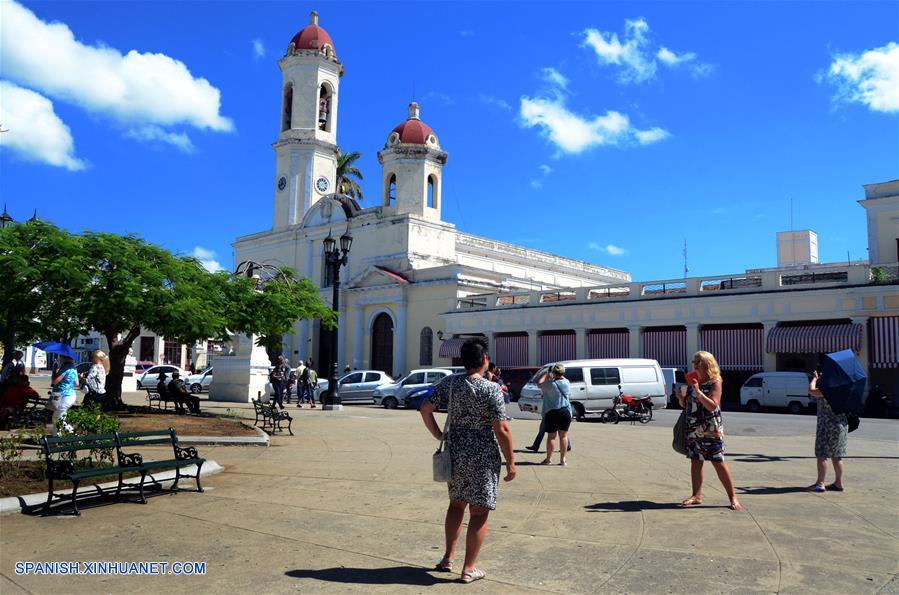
60,455
35,414
270,416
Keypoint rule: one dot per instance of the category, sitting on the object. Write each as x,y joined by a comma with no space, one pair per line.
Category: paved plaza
348,506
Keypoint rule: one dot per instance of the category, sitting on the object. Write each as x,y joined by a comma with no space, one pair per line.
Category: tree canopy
347,173
61,284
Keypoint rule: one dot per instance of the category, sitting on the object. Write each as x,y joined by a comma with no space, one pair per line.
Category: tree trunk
118,352
9,338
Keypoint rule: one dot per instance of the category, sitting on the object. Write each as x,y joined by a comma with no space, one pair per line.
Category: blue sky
607,132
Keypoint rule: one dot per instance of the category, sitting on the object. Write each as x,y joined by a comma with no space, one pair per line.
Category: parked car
777,389
674,379
150,378
141,367
394,395
360,385
517,377
594,383
200,381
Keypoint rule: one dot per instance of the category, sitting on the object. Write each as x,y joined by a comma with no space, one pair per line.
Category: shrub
91,420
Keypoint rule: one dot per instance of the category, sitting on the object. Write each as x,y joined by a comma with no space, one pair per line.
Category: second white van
594,383
776,389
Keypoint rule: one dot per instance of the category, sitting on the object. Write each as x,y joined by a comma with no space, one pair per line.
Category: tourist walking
831,439
95,379
302,380
556,411
276,377
288,386
705,428
478,429
62,396
312,382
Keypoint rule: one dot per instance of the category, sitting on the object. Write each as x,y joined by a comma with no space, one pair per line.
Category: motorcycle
628,408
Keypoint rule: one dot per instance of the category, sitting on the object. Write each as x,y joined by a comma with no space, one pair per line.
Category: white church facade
407,265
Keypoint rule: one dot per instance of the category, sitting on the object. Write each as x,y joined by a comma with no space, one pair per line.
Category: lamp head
330,244
346,242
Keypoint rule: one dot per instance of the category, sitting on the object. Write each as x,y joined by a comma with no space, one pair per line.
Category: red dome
414,131
312,37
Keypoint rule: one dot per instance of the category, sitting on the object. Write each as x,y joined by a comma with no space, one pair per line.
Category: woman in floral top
705,430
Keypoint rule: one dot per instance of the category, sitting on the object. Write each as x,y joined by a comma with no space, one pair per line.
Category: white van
776,389
594,383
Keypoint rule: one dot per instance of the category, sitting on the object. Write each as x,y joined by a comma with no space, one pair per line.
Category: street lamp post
334,258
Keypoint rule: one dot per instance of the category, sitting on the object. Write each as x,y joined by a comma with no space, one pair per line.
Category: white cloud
33,131
466,33
610,249
635,57
870,78
573,133
545,170
206,258
556,78
442,98
152,134
500,103
258,49
135,88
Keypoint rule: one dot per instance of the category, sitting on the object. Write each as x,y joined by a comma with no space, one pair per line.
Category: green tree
41,274
347,174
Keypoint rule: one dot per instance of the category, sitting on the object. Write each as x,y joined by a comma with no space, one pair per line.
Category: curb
261,439
14,504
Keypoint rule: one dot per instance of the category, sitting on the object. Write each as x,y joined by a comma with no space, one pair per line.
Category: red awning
735,348
557,347
450,347
615,344
511,350
817,338
884,341
669,348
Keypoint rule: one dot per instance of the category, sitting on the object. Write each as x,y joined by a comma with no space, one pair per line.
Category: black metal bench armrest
60,469
133,459
188,452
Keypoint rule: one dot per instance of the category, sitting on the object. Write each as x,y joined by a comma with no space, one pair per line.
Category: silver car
200,381
394,395
361,385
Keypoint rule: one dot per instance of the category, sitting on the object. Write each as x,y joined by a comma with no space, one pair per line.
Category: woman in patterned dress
478,430
705,429
831,440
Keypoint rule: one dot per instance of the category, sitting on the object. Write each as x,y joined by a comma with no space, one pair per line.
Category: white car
200,381
394,395
777,389
150,378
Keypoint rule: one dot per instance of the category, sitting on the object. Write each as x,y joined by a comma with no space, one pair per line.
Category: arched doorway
382,343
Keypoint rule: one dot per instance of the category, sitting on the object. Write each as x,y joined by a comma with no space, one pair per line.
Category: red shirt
17,396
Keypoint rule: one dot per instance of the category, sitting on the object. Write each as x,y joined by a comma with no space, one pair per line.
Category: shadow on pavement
760,458
396,575
762,491
636,506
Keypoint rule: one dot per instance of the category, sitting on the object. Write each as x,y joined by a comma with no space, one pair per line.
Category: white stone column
863,353
532,348
770,359
635,340
358,324
399,339
693,339
580,340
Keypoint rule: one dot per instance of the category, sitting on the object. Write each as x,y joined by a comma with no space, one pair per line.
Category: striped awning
511,350
608,344
557,347
668,347
884,341
450,347
818,338
735,348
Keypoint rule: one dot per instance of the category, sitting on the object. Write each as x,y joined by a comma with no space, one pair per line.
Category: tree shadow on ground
767,490
638,505
396,575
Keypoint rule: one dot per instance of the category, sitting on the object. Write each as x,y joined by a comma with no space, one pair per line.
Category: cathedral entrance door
382,343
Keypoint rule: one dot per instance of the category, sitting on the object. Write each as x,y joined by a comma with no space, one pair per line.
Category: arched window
390,191
287,112
426,347
324,108
432,191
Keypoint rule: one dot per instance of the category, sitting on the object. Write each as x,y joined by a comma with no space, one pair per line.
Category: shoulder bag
441,461
852,419
566,397
679,443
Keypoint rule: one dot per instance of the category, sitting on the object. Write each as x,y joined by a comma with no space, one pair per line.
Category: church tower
412,165
306,150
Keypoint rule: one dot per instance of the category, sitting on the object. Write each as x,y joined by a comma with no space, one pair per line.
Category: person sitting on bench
181,395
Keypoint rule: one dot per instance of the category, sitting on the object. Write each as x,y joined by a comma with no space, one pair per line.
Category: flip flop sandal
546,462
691,501
445,565
474,575
816,487
835,488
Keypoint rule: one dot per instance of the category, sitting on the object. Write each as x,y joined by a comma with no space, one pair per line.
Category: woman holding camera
705,429
556,411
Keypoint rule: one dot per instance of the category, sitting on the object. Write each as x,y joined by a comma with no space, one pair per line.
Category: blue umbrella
57,348
843,381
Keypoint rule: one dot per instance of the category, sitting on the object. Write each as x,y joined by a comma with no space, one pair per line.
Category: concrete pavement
348,506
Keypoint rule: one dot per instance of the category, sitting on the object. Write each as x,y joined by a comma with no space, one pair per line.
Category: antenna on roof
686,270
413,89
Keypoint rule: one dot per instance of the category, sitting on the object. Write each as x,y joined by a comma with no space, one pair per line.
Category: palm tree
345,174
